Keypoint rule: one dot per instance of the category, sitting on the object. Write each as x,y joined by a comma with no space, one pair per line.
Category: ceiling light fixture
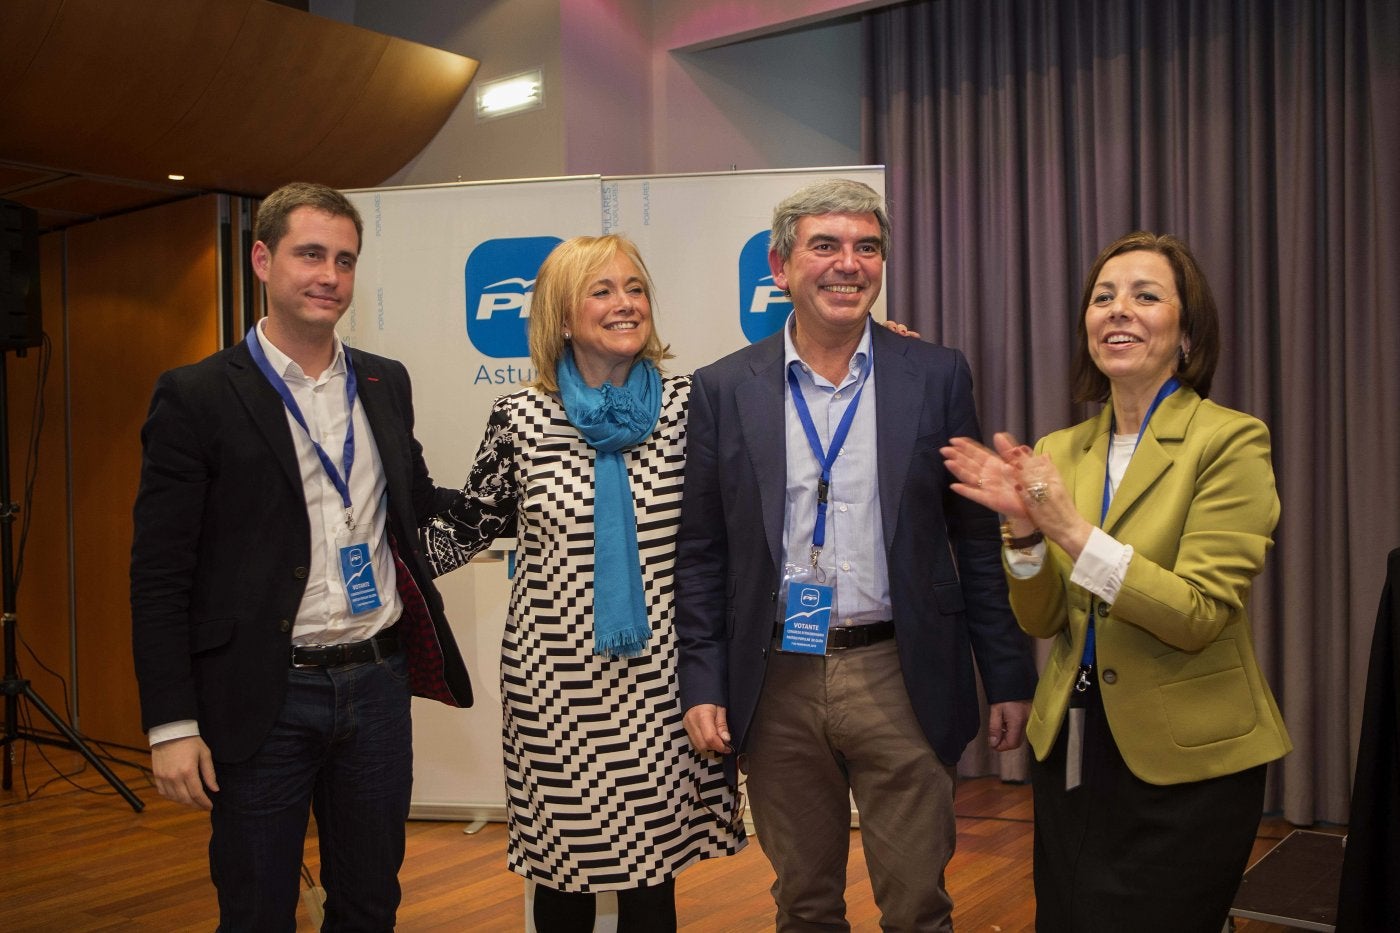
511,94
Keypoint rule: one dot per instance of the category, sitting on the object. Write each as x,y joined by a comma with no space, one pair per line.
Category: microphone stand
15,687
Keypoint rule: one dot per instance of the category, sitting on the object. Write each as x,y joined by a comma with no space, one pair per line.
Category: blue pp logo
500,278
762,305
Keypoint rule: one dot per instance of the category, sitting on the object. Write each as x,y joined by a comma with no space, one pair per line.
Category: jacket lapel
761,399
899,401
373,391
266,410
1087,486
1153,456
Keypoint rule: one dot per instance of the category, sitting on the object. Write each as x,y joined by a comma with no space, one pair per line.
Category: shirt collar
288,367
859,359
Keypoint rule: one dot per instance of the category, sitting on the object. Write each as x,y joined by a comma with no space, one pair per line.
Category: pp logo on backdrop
500,278
762,305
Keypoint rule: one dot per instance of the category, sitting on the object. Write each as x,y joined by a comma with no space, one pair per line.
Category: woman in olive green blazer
1132,540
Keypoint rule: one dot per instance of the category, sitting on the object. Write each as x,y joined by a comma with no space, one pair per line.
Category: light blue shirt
853,558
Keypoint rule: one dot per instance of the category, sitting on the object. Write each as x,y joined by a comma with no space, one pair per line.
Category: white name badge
807,618
1074,749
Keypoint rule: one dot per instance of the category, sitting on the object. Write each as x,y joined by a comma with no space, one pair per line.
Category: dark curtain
1021,136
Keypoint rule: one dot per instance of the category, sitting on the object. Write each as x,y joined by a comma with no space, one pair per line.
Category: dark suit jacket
949,603
222,545
1369,898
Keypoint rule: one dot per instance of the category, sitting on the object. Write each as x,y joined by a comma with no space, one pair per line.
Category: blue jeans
343,743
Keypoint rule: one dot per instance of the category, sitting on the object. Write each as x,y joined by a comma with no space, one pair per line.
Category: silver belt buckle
294,656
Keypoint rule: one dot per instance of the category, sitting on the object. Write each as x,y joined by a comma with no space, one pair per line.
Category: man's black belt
382,645
839,637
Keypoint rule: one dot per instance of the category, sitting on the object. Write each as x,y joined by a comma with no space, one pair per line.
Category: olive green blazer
1180,683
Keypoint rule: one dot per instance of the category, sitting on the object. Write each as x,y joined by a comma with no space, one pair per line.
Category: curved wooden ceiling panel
378,128
25,27
286,79
237,95
108,77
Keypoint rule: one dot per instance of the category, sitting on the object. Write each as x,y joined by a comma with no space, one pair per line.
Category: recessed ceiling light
176,177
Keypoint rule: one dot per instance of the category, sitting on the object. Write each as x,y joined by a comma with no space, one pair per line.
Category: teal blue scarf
611,419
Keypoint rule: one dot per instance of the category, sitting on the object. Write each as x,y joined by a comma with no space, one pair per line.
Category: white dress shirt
853,557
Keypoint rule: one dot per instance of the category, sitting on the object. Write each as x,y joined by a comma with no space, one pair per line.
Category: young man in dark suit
832,591
277,591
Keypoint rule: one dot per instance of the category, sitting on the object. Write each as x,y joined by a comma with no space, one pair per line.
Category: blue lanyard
1168,387
826,458
342,485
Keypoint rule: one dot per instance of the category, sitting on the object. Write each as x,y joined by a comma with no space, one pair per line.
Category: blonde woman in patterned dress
584,468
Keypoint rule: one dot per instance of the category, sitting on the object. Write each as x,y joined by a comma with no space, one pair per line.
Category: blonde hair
560,286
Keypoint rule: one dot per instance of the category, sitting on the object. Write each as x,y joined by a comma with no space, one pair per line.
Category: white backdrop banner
444,285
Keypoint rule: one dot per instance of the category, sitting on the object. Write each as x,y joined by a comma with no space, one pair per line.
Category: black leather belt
858,636
382,645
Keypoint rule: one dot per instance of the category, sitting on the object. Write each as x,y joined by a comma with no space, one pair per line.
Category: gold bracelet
1020,544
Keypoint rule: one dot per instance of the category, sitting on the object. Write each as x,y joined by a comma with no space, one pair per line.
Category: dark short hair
1200,322
277,207
832,196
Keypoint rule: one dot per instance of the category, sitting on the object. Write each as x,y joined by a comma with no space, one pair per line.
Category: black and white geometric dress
603,788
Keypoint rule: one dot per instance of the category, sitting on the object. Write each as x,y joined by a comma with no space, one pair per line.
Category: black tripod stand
15,688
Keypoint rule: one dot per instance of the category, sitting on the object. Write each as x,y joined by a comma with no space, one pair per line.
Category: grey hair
831,196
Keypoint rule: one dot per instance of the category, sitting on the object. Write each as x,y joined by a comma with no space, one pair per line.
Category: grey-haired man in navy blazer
833,594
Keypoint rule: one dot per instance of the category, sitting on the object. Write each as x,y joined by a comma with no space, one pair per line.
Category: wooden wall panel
42,603
142,297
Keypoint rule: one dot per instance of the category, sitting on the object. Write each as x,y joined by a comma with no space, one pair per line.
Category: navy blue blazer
950,603
222,545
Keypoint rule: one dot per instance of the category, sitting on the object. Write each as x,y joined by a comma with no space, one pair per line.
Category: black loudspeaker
21,323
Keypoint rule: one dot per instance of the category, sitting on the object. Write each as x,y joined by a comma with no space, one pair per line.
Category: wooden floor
77,858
